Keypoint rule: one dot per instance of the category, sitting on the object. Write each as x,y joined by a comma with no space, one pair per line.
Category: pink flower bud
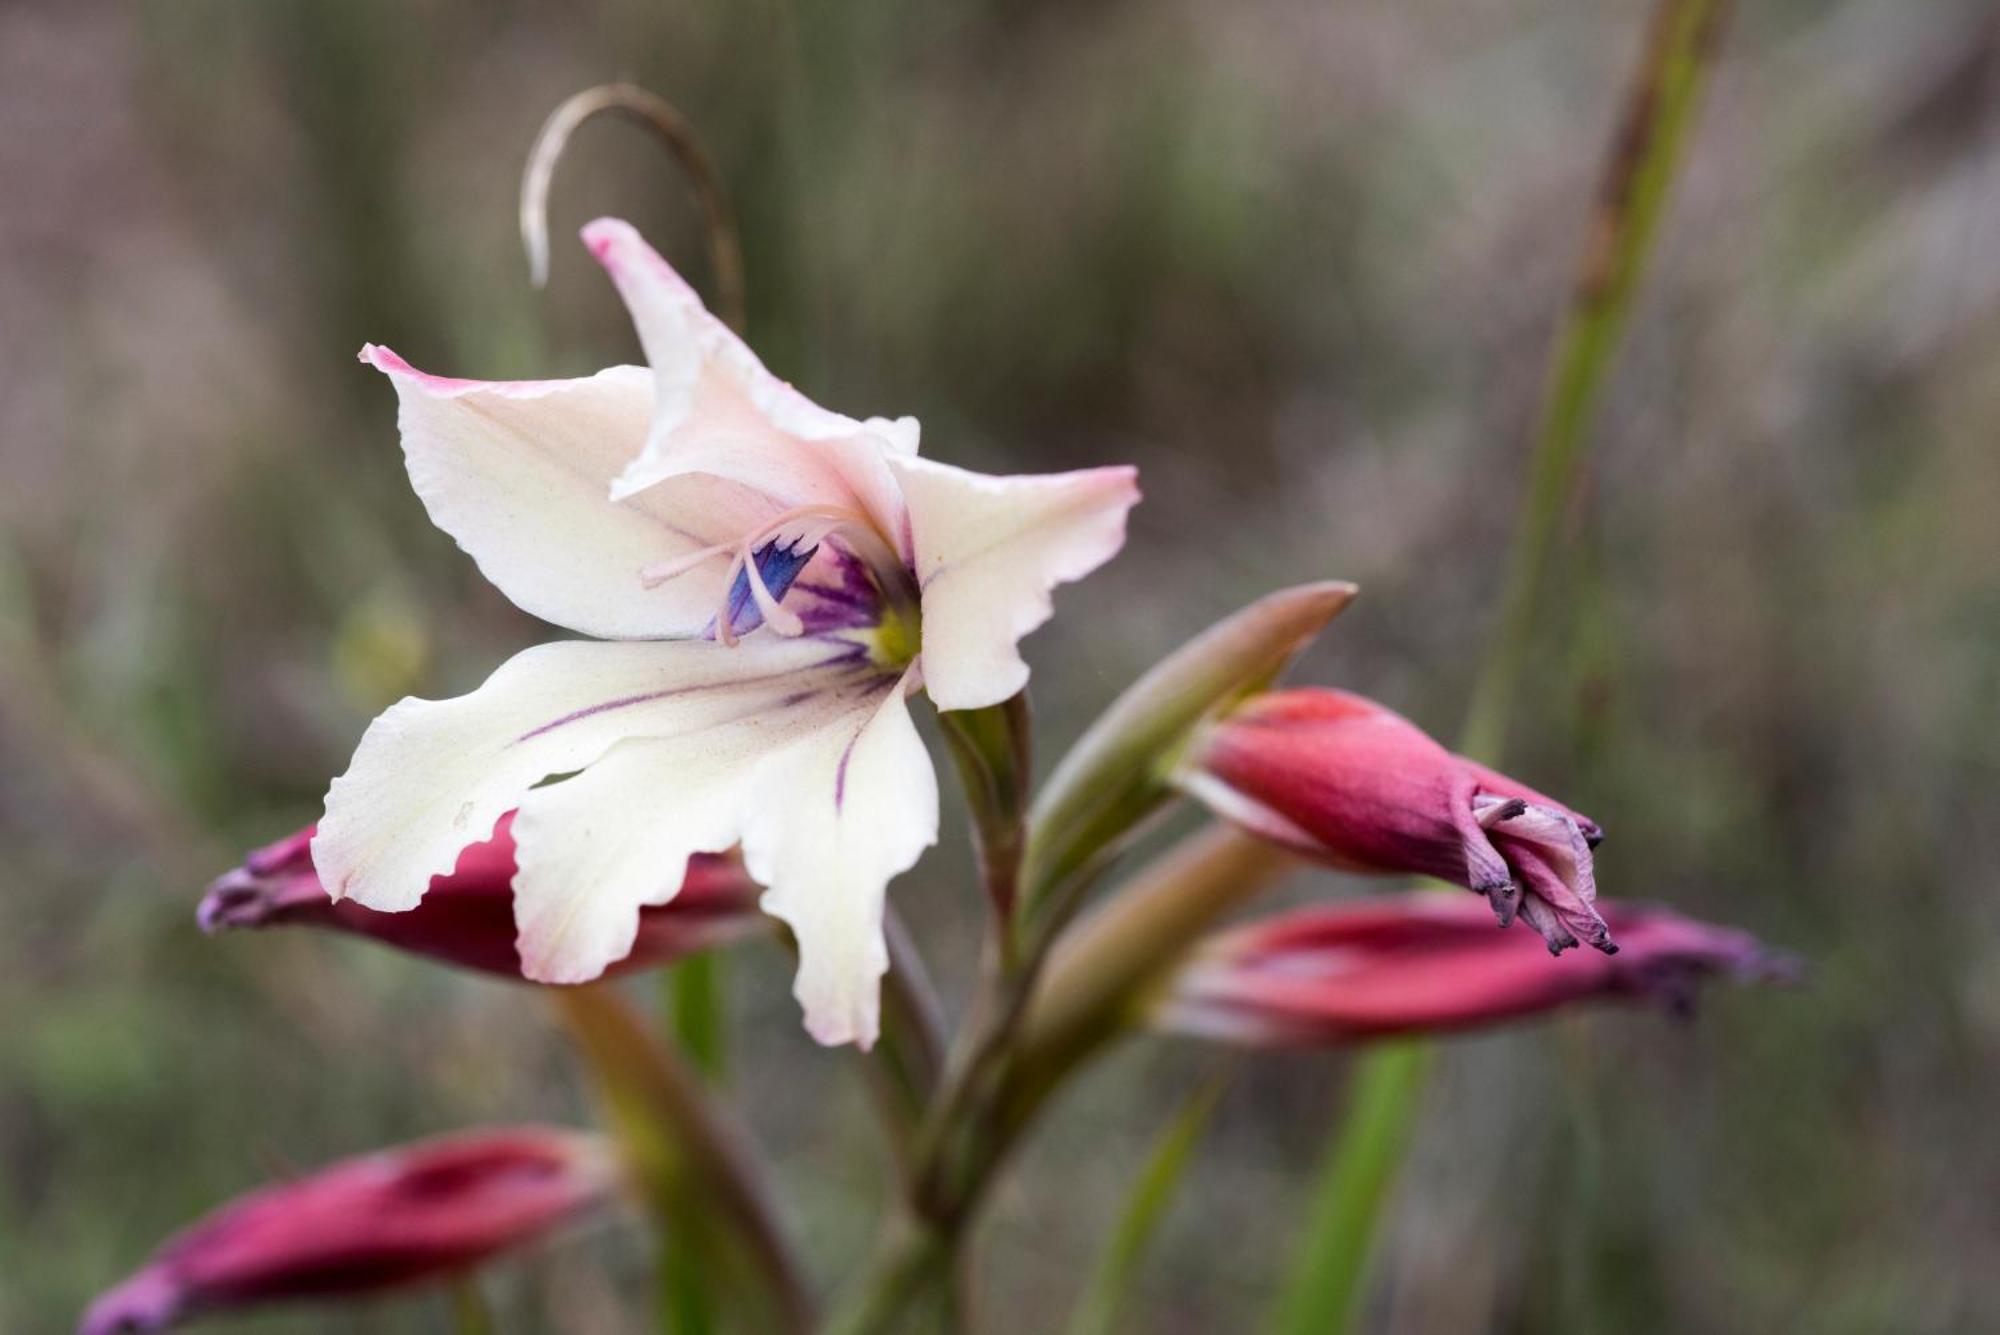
1343,780
1418,963
397,1217
467,919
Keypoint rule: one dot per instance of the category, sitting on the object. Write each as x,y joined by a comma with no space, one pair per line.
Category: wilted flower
1422,962
695,503
1343,780
467,917
404,1216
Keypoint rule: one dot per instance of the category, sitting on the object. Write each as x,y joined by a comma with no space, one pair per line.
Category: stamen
743,561
780,619
1490,811
725,621
653,576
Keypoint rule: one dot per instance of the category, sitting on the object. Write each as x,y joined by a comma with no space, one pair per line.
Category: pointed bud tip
148,1301
234,899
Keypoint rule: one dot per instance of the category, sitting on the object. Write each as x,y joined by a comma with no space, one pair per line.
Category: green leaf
1103,1302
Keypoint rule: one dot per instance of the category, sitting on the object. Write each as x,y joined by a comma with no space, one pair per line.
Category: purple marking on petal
605,707
840,773
648,697
842,598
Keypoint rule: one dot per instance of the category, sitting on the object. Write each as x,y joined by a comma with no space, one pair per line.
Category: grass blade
1111,1283
1322,1294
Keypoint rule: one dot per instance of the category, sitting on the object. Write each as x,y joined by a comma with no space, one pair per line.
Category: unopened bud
423,1212
1345,781
467,918
1422,963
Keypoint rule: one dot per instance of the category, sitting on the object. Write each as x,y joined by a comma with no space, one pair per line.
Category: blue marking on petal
779,566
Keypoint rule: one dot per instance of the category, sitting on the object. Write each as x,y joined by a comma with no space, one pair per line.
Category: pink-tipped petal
519,473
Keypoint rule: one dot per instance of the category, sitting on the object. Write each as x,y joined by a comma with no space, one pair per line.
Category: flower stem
990,748
725,249
694,1001
1662,99
1107,1295
1354,1186
904,1069
685,1150
1647,152
907,1285
471,1314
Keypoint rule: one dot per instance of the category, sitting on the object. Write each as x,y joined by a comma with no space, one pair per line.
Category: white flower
778,578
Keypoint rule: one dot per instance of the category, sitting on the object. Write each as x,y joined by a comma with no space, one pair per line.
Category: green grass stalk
1323,1293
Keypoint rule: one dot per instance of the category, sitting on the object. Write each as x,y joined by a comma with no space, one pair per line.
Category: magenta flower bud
1347,782
399,1217
1427,963
467,919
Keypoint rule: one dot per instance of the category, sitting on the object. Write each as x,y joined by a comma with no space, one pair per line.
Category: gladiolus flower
782,578
399,1217
467,918
1423,963
1347,782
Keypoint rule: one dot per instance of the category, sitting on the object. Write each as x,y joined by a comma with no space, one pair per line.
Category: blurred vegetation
1302,262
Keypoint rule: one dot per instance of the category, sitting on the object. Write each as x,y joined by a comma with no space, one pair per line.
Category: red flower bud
1343,780
467,919
397,1217
1422,962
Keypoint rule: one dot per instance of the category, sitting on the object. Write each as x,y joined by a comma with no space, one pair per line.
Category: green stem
1661,104
1106,1297
694,1001
693,995
908,1283
700,1175
471,1314
919,1251
1354,1187
990,748
904,1069
687,1296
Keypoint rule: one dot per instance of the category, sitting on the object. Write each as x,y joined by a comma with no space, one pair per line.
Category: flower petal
830,792
988,552
595,849
849,809
431,776
716,409
517,472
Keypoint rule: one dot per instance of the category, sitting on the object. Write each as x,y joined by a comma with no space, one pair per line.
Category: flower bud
467,919
1426,963
404,1216
1341,779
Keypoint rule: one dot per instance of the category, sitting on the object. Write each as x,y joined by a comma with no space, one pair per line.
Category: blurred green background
1302,262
